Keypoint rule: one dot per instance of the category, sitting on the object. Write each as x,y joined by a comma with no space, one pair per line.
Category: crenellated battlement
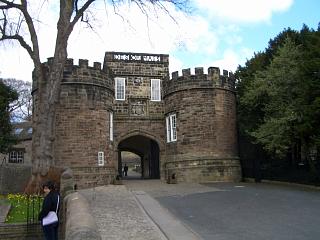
82,63
213,79
213,72
82,73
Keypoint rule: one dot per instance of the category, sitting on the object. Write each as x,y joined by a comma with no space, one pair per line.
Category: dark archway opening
144,157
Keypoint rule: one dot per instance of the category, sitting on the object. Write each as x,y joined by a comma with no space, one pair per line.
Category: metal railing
34,203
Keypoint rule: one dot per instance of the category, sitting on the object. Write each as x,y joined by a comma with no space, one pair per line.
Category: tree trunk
48,80
48,91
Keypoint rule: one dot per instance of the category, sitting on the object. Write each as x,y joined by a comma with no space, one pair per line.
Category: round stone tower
82,123
200,113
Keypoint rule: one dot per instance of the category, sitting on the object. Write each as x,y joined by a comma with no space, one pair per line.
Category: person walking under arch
125,170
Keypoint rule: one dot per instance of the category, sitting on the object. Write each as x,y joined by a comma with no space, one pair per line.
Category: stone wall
21,232
206,146
88,177
83,120
14,178
225,123
79,224
138,75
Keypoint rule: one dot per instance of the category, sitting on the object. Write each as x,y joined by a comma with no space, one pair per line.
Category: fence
28,226
34,204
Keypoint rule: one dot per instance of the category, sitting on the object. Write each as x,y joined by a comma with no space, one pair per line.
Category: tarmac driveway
247,211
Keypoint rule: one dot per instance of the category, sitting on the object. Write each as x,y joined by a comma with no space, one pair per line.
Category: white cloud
231,59
134,32
130,30
197,36
244,10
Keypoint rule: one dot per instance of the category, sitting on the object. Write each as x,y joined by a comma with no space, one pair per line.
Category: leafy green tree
277,86
249,115
278,98
275,43
310,105
7,95
252,115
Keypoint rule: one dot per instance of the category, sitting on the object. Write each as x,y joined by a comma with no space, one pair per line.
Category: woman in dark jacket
51,202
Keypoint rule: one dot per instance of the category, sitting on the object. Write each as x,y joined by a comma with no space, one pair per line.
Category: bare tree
20,109
49,80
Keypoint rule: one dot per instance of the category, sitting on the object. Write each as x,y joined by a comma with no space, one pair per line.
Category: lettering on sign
151,58
135,57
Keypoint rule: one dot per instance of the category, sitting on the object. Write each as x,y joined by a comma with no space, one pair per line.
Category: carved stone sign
138,108
136,57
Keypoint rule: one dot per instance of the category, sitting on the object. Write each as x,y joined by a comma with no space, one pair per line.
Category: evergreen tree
7,95
279,98
278,87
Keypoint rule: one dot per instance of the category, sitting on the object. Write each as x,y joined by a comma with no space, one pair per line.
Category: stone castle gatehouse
183,125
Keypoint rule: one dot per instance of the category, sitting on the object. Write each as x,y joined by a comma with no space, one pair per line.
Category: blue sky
301,11
220,33
255,33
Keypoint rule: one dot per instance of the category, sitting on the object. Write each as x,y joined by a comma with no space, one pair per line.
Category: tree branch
16,36
33,34
21,40
9,5
79,14
33,52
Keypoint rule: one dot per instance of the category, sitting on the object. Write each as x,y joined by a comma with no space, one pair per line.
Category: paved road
151,209
248,212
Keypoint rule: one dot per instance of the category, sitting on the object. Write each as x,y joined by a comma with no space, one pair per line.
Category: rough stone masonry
178,126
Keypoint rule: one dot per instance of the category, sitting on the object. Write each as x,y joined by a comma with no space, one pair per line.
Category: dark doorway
146,151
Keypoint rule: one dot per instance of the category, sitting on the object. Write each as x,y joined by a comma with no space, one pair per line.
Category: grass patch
23,208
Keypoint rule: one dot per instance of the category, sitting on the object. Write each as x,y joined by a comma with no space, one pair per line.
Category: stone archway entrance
147,150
